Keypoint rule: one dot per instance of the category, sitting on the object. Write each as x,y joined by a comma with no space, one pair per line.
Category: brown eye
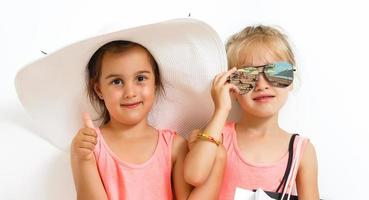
117,82
141,78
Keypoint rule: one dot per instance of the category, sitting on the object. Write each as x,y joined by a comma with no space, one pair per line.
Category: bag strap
294,169
289,163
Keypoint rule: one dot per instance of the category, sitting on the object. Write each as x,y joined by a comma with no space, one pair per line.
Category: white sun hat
189,54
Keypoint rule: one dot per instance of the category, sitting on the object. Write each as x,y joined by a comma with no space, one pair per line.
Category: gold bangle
207,137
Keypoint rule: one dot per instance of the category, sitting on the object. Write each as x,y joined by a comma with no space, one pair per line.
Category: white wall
330,105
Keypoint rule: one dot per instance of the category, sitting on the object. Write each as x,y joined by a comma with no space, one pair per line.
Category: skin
85,173
127,86
259,137
210,188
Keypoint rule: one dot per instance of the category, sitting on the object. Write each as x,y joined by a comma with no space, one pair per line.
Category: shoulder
229,125
179,143
176,143
167,135
307,175
309,158
306,152
228,133
229,128
179,147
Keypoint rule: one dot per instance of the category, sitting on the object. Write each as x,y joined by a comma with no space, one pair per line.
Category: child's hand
220,91
85,141
192,138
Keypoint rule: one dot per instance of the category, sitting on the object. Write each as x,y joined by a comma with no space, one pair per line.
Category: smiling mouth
131,105
263,98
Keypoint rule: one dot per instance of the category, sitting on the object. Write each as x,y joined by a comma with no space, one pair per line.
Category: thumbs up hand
84,142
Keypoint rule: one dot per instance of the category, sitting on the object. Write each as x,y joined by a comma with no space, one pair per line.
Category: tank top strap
167,136
228,134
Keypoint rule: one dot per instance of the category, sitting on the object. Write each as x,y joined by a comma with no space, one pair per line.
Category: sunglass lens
279,74
244,79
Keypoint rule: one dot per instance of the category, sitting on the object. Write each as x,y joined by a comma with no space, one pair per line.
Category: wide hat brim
189,54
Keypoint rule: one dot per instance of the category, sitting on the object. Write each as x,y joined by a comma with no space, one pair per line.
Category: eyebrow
119,75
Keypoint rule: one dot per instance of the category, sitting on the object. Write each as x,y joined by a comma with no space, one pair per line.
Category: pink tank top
149,180
249,175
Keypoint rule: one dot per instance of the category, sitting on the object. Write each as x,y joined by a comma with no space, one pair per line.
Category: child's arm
200,160
86,177
87,180
212,186
179,150
307,175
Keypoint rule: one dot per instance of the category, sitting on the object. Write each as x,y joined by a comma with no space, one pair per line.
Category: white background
329,105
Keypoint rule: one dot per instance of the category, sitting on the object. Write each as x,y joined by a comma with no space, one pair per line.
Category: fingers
193,136
87,122
85,154
222,77
233,88
84,143
89,132
87,145
86,135
89,128
88,138
220,81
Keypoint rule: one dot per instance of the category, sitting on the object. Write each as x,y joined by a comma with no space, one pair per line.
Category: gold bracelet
207,137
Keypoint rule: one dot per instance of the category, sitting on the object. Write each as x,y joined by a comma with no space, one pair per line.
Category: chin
131,120
262,113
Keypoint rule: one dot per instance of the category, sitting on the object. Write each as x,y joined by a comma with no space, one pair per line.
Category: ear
98,91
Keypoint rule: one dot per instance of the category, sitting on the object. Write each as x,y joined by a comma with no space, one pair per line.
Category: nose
129,90
261,83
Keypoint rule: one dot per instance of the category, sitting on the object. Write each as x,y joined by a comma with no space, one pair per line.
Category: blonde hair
241,45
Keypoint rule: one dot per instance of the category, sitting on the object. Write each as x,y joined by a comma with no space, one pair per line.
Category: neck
128,130
258,126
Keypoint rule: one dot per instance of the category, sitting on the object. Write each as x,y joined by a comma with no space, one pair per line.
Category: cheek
112,95
148,91
244,100
282,96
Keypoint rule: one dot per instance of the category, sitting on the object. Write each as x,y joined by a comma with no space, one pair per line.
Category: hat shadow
58,177
15,114
56,181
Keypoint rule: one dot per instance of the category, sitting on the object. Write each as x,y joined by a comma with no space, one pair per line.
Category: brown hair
94,67
240,44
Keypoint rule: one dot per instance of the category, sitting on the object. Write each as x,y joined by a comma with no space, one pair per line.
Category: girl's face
127,85
264,100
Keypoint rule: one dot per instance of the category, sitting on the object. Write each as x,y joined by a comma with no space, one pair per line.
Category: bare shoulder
179,142
309,158
179,147
307,175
